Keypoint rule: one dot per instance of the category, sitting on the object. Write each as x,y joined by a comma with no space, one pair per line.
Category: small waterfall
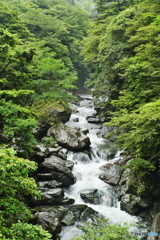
87,170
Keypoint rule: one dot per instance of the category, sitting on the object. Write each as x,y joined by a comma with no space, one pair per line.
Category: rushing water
87,170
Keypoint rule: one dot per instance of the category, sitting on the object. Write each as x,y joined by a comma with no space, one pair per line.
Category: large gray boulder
93,119
92,196
83,212
112,174
50,113
49,184
68,218
69,138
68,215
48,222
59,170
133,204
49,197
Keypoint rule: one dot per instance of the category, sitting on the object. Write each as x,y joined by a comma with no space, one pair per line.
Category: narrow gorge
81,179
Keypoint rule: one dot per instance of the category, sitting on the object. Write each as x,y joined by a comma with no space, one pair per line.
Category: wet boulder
133,204
112,174
45,176
69,164
69,138
83,212
68,215
49,197
68,218
59,170
65,216
49,184
48,222
68,201
52,151
39,153
93,119
92,196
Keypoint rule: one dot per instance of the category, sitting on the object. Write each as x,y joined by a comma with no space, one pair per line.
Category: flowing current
87,170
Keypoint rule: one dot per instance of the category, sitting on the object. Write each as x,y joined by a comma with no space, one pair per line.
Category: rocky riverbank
54,174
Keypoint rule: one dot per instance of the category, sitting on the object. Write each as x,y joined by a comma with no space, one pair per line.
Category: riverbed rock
68,215
45,176
52,151
69,164
112,174
93,119
49,197
83,212
133,204
68,219
49,184
76,119
69,138
50,113
68,201
42,152
48,222
92,196
55,211
58,168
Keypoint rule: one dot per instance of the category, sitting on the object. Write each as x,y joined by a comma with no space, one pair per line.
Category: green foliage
101,230
39,60
40,44
21,231
140,138
48,141
89,5
125,76
17,125
15,186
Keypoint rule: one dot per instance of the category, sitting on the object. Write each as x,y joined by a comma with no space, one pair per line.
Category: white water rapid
87,170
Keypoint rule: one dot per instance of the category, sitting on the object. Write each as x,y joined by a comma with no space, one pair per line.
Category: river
87,170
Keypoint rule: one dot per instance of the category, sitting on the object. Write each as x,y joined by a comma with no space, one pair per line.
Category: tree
125,68
39,64
17,118
15,186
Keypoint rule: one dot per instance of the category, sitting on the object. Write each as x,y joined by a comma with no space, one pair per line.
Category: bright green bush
100,230
16,185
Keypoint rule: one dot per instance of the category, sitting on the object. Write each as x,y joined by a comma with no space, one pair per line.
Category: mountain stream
87,169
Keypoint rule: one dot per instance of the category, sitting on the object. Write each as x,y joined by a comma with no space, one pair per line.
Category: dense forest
40,62
122,55
43,47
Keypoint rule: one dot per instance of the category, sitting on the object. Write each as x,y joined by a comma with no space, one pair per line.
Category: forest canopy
122,55
40,62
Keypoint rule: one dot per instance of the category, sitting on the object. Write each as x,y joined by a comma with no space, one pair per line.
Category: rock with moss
50,114
69,138
134,204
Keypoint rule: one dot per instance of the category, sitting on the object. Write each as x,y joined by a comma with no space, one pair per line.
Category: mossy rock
51,114
54,112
